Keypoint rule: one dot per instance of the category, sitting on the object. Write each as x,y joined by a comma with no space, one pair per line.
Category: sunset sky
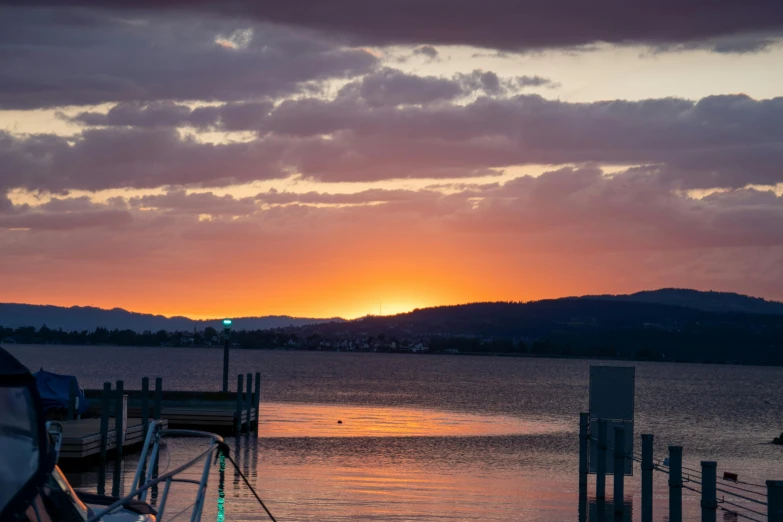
338,158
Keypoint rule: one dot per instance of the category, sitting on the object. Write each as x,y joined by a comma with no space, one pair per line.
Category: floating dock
226,413
82,437
129,412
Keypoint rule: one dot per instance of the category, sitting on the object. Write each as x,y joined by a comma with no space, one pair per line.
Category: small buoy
339,422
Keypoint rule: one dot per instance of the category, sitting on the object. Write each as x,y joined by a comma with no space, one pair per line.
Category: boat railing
55,431
155,434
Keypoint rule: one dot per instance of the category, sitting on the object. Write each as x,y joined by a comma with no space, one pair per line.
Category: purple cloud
499,24
55,57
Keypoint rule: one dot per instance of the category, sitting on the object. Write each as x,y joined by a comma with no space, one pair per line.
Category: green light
226,322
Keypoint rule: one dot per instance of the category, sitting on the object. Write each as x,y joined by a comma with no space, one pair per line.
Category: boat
34,489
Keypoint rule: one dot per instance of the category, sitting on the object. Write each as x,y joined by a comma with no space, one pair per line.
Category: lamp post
227,337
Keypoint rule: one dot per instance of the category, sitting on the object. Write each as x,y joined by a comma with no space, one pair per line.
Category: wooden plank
82,438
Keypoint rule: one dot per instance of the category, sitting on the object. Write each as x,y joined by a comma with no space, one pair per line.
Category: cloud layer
367,134
173,99
55,56
566,231
725,26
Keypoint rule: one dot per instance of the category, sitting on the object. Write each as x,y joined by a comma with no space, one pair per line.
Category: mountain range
653,305
78,318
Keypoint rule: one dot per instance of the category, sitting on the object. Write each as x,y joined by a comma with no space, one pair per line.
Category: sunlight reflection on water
321,420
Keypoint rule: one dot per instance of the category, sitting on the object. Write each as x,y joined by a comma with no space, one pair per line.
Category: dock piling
145,403
119,420
647,477
105,401
600,468
584,440
709,501
619,469
249,398
775,500
675,483
158,396
240,389
257,401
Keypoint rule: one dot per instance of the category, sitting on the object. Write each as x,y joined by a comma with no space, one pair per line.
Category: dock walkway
82,437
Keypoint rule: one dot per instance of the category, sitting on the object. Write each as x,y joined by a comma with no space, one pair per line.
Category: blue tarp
55,390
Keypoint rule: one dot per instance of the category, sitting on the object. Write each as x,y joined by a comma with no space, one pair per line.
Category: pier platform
226,413
82,437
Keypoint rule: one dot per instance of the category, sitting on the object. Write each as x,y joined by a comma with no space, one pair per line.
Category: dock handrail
154,435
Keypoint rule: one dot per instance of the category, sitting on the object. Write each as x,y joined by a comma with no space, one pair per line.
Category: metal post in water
584,441
248,398
709,500
257,399
775,500
226,346
240,387
158,397
145,403
600,468
619,469
647,477
119,421
675,483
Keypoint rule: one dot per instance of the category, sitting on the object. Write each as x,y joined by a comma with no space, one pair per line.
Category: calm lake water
430,438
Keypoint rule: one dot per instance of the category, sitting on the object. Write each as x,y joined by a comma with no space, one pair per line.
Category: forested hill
78,318
710,301
542,318
574,327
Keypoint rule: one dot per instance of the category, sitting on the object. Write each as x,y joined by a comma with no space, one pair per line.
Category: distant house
8,340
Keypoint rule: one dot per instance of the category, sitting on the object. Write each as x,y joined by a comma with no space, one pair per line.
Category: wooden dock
82,437
226,413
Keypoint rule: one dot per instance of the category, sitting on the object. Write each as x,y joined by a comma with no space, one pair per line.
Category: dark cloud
499,24
390,87
55,57
426,50
130,157
735,44
229,117
66,220
180,202
718,141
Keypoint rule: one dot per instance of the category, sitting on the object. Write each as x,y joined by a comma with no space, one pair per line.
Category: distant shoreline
459,354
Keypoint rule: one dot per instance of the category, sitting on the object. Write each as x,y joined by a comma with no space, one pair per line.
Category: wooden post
619,469
248,398
118,420
145,403
775,500
105,405
675,483
709,500
116,482
600,467
584,442
240,388
73,393
257,399
647,477
158,396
